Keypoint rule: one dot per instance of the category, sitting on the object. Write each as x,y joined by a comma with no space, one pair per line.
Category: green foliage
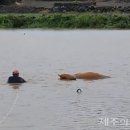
68,20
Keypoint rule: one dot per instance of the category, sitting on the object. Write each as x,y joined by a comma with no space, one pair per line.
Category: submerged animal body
67,77
90,76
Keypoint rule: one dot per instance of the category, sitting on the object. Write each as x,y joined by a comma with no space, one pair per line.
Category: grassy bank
66,20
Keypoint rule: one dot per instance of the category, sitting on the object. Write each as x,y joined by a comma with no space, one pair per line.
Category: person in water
15,78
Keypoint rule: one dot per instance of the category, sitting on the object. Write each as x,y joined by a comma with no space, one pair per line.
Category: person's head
15,73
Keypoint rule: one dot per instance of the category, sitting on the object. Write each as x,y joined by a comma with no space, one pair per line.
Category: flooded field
46,103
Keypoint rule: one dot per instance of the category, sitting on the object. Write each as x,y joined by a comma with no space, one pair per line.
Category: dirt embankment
91,7
67,7
20,9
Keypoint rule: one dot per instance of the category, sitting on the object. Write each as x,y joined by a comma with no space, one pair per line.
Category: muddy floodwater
45,102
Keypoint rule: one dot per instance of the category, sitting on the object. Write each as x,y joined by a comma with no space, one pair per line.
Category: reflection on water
45,102
15,85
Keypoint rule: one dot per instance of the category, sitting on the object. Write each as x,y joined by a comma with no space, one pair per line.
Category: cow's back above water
90,76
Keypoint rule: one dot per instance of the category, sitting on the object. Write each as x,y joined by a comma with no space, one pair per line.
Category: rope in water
5,117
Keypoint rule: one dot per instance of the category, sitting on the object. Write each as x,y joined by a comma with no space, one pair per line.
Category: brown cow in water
67,77
90,76
86,76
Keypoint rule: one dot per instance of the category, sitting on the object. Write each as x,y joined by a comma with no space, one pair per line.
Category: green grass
66,20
